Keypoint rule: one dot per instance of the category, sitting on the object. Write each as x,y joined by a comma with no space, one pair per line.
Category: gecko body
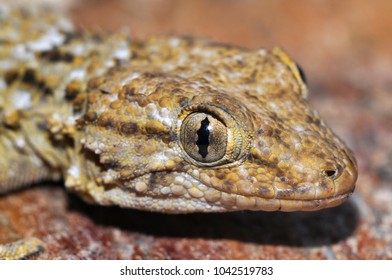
169,124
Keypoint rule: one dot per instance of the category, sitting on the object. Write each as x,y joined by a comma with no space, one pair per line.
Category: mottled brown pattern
114,112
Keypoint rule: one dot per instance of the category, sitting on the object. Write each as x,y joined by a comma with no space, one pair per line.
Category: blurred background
344,48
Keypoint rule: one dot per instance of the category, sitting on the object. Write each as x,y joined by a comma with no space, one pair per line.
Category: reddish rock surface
344,48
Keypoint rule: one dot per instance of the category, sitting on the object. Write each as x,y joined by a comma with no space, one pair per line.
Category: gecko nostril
331,170
331,173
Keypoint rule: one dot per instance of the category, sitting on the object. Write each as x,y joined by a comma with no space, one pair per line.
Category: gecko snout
343,174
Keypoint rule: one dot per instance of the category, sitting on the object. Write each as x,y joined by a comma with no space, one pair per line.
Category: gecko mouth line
288,205
237,202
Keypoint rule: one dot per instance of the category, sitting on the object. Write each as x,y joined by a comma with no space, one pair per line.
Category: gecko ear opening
295,69
301,73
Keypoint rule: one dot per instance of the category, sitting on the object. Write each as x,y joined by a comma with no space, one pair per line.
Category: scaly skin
170,124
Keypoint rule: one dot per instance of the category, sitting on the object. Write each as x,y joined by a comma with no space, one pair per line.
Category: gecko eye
301,73
204,137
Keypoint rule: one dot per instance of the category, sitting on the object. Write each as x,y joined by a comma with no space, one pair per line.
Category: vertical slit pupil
203,140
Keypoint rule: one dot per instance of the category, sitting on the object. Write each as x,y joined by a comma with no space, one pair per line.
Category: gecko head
236,134
262,158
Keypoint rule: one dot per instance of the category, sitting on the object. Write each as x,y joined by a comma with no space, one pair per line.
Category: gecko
173,124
